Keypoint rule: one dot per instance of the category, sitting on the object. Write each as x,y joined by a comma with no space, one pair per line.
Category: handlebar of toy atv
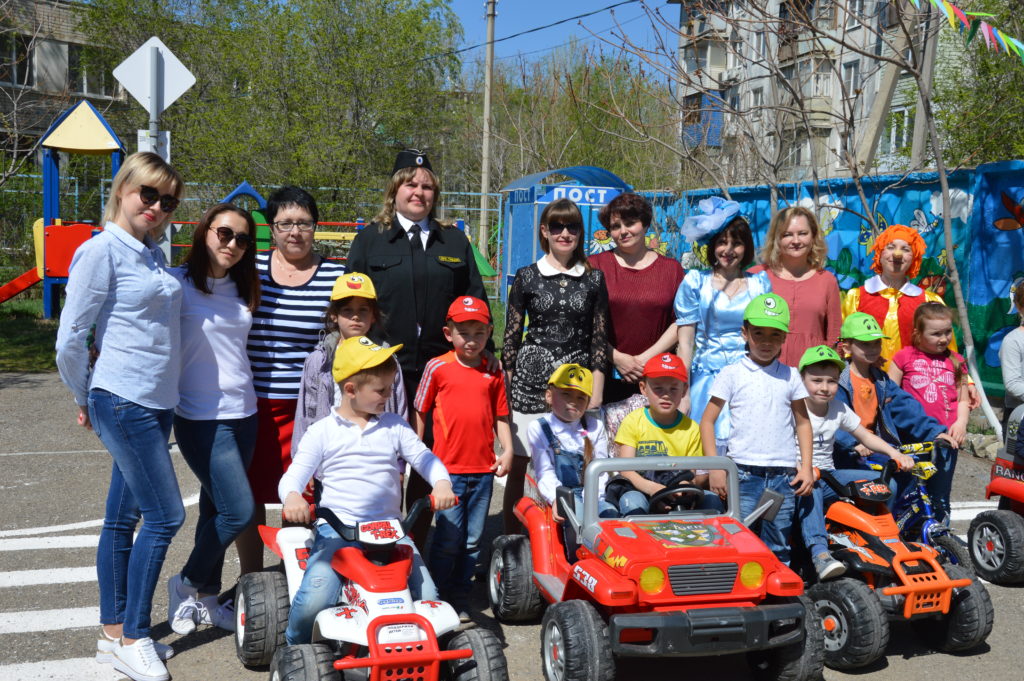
418,507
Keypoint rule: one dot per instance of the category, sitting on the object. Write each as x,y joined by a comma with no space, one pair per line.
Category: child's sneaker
181,606
210,611
139,661
105,649
828,567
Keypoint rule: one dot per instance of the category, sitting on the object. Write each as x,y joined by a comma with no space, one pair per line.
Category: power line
569,42
530,30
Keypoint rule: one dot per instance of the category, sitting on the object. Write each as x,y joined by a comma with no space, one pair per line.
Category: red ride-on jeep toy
888,578
996,538
685,583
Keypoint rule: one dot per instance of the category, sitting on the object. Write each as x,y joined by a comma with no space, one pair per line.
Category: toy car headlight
652,580
752,575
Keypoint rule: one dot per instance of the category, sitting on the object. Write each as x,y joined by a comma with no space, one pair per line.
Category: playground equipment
79,130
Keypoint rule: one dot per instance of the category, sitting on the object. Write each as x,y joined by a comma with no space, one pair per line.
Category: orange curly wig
908,234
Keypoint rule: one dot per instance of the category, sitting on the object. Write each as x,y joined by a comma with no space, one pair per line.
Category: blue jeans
142,484
940,484
455,548
321,585
810,510
218,452
754,480
636,502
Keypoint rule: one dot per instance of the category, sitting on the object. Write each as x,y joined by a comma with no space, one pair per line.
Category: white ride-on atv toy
376,631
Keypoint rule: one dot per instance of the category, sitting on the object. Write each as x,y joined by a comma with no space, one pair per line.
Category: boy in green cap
765,399
884,408
820,368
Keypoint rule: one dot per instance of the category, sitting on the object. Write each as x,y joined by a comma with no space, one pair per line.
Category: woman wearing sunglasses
119,285
567,305
215,420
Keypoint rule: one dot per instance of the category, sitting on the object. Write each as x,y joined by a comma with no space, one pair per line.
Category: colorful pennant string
973,24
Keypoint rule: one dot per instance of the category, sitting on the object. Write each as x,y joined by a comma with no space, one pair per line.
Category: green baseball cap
768,309
861,326
821,353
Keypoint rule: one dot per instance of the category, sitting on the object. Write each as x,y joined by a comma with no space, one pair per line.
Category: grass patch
26,339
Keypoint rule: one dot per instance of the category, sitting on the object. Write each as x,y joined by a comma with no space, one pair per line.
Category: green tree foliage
311,92
980,100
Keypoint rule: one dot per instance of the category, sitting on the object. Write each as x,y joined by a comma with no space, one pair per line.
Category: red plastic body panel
269,537
61,242
412,660
350,562
19,284
1007,481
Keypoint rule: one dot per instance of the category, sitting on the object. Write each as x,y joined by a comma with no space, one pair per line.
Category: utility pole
485,170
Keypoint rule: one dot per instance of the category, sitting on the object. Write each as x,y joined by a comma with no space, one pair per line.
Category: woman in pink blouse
794,257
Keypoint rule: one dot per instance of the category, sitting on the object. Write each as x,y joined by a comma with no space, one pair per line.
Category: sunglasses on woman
150,195
556,228
226,235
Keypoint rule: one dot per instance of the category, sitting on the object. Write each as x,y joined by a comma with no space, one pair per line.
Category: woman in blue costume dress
709,303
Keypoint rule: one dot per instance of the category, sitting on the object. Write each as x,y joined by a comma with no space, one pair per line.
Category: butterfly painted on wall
1016,210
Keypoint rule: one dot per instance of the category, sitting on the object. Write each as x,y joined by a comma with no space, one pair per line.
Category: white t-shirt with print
824,429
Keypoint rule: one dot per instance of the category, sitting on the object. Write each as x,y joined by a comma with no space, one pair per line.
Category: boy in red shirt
469,407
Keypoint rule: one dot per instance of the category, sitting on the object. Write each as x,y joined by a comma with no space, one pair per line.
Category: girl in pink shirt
931,372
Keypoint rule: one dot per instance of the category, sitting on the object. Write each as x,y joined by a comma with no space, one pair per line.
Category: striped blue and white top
286,327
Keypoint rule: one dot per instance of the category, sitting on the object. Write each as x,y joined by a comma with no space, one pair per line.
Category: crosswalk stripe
51,576
48,620
76,669
73,541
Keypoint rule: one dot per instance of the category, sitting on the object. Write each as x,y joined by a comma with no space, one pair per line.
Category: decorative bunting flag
972,24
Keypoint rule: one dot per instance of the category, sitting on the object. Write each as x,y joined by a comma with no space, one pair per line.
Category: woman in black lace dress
566,304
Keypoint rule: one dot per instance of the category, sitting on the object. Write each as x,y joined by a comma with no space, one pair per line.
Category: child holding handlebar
356,443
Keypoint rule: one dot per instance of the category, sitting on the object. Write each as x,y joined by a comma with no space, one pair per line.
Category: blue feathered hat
715,213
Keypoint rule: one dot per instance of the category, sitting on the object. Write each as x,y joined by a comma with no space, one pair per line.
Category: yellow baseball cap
358,353
574,377
353,284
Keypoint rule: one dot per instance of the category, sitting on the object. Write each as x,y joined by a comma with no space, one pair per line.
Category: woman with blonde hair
794,257
119,285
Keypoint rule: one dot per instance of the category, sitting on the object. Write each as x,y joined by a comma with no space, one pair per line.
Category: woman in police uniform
418,266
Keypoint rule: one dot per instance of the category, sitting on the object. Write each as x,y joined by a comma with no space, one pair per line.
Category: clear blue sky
520,15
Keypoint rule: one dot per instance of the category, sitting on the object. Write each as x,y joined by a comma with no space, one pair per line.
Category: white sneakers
181,605
140,661
105,649
185,610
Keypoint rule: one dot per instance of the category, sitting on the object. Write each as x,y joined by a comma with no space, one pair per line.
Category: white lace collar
875,285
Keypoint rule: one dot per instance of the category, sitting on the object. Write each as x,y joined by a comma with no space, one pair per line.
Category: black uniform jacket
386,256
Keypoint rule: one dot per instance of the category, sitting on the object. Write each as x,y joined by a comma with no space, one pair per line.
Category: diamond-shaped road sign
173,77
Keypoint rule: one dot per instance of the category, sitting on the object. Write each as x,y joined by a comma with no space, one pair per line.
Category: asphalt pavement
52,486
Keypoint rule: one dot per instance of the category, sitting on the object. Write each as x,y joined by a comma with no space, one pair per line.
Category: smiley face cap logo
352,285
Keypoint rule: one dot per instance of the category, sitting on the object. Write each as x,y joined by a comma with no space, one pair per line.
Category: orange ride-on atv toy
683,583
377,628
889,578
996,538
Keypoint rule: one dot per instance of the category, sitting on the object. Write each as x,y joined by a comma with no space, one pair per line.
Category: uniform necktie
419,272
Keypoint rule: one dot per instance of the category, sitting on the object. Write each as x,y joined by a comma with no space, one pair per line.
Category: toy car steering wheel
664,501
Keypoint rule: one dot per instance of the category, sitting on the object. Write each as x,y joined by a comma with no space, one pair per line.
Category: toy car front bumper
706,631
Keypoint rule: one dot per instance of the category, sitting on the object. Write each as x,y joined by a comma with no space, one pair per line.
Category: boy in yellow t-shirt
658,429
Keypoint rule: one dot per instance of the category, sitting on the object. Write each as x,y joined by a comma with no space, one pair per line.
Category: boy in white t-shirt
820,367
769,422
358,452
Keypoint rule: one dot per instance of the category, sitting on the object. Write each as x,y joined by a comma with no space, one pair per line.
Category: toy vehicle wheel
488,662
304,663
514,597
953,551
968,623
801,661
574,644
261,616
853,622
996,541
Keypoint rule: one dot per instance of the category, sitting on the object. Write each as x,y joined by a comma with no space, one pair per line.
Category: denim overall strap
568,465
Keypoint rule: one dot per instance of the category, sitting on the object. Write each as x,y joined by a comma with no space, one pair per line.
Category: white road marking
966,510
70,527
51,576
48,620
76,669
80,451
68,541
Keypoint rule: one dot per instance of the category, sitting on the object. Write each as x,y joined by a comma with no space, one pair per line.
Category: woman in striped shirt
296,286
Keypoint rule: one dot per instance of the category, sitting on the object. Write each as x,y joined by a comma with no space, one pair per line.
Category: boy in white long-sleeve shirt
357,453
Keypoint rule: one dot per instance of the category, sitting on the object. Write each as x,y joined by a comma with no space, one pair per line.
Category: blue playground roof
588,175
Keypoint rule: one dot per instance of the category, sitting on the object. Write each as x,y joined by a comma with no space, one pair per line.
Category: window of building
854,13
757,99
691,109
83,80
717,55
899,131
760,44
851,78
16,60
